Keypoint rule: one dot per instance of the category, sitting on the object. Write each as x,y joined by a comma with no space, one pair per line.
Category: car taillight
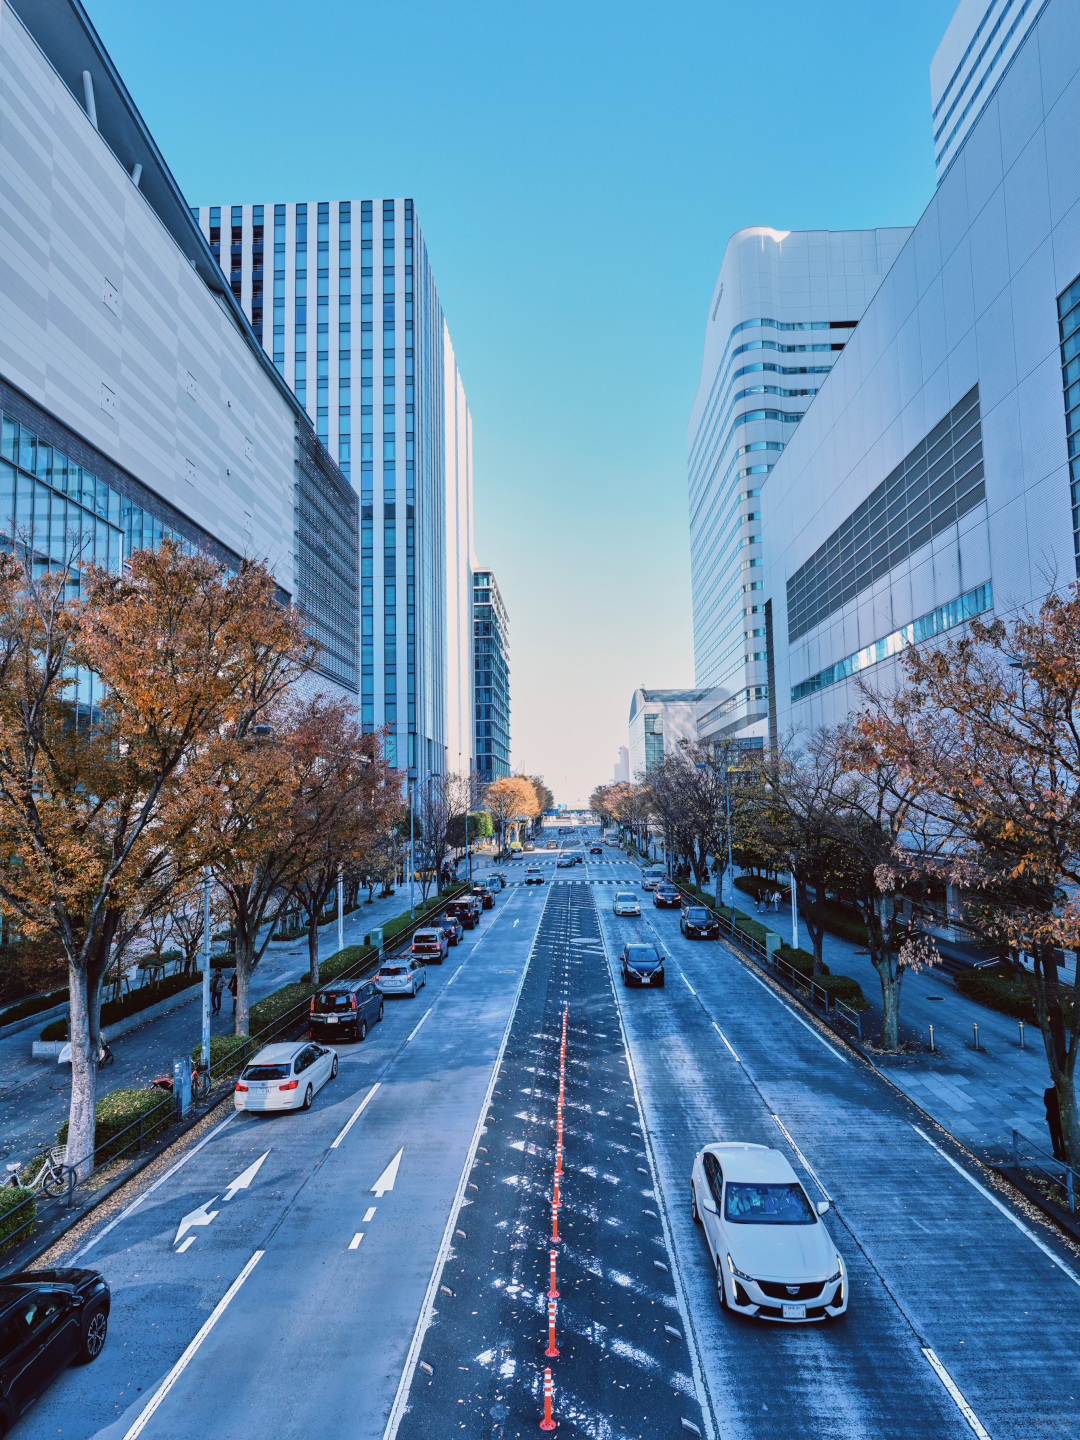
352,1001
289,1085
313,1004
238,1086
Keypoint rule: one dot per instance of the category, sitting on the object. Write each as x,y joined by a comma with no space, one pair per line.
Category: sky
577,169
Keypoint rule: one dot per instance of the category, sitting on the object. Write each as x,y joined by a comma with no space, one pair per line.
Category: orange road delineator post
552,1349
547,1423
553,1293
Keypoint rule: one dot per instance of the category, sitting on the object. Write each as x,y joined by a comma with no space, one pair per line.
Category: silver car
285,1077
401,977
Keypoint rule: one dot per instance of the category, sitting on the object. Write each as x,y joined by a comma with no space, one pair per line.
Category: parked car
485,895
774,1257
463,911
496,881
565,861
626,903
451,927
430,945
345,1007
534,875
667,897
641,964
48,1318
285,1076
596,849
697,922
401,977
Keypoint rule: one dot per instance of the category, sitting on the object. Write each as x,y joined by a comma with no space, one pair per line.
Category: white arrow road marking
242,1182
196,1217
186,1245
386,1180
516,923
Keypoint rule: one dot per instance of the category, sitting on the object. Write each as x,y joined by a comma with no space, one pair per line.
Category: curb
1061,1218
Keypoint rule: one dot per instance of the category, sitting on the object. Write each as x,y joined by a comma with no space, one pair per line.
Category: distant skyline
577,172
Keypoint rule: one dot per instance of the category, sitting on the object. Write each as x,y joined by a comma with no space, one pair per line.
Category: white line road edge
189,1354
151,1188
958,1399
999,1206
727,1042
355,1115
397,1410
416,1027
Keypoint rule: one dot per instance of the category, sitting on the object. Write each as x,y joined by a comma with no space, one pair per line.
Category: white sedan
285,1077
403,978
774,1257
626,903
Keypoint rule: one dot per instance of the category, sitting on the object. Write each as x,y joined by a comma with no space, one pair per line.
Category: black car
451,924
642,965
345,1007
463,911
596,849
695,920
485,895
666,897
48,1318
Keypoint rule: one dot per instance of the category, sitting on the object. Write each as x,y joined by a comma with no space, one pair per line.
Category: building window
1069,328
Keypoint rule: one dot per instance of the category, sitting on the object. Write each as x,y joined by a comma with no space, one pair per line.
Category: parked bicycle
52,1176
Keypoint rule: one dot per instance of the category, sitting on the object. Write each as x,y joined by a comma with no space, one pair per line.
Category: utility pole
340,910
412,830
206,969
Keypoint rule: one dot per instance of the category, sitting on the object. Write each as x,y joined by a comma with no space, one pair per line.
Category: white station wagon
285,1077
774,1257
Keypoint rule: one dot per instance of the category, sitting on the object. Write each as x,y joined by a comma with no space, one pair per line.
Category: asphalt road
315,1338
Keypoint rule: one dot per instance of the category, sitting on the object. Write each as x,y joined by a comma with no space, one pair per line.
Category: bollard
547,1423
553,1293
1016,1150
976,1029
555,1200
552,1349
558,1158
554,1224
931,1039
1021,1024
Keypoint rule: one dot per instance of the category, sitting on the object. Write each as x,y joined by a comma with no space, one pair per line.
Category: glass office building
365,348
491,678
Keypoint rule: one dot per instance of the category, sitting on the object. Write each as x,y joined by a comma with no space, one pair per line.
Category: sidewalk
979,1097
35,1094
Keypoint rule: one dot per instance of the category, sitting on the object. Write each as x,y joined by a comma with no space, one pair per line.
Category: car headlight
839,1272
738,1274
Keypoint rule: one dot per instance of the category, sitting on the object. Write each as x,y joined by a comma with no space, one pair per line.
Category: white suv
626,903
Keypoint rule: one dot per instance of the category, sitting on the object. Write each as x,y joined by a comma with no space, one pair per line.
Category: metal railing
1026,1154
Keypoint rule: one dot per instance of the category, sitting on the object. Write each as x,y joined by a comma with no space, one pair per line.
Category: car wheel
333,1068
693,1205
380,1012
95,1329
307,1098
721,1293
361,1031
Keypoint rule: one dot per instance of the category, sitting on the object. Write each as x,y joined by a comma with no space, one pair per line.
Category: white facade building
977,49
137,404
659,719
341,295
622,767
784,306
930,479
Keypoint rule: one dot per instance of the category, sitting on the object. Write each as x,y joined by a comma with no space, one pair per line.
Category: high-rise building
622,767
659,720
937,474
491,678
983,38
784,306
137,404
405,444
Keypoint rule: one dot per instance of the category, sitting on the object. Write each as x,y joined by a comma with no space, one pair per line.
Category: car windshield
699,917
267,1072
332,1000
767,1205
641,955
428,935
625,895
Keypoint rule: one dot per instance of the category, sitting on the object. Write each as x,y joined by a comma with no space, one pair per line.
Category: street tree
507,799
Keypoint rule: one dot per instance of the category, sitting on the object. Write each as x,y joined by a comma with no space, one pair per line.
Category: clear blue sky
577,169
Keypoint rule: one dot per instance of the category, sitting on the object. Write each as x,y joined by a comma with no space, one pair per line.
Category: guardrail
1056,1170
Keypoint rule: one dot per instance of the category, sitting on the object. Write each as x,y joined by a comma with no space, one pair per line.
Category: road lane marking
806,1163
728,1043
999,1206
958,1399
151,1188
804,1023
386,1180
454,976
187,1243
202,1216
416,1027
355,1115
369,1214
354,1243
243,1181
689,986
189,1354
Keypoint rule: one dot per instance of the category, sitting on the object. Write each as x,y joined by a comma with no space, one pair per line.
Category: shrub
1000,988
18,1209
32,1006
116,1112
130,1004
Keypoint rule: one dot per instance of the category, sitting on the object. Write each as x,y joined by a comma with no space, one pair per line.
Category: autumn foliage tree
99,808
509,798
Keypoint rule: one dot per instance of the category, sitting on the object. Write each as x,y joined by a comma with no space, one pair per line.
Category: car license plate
331,1019
645,979
794,1312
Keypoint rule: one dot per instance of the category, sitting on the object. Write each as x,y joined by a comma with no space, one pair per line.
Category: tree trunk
891,977
313,949
815,922
244,967
1060,1045
84,1033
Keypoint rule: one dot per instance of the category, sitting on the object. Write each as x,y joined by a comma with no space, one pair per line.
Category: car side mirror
822,1207
710,1204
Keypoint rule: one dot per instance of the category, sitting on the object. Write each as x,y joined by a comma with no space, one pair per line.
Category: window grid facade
491,679
1069,332
936,484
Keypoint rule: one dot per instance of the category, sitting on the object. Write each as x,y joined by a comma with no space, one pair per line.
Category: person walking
217,986
232,991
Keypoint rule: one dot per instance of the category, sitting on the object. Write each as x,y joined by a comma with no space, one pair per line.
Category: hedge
116,1112
139,999
33,1006
840,920
18,1208
1000,988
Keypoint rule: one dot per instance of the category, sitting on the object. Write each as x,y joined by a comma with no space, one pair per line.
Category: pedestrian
1053,1121
217,985
232,991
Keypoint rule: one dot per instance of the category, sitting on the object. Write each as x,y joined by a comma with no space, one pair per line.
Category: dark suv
48,1318
485,895
464,911
345,1007
696,920
667,896
451,925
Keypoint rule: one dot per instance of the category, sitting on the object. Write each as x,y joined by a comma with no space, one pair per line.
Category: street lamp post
206,968
340,910
412,830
